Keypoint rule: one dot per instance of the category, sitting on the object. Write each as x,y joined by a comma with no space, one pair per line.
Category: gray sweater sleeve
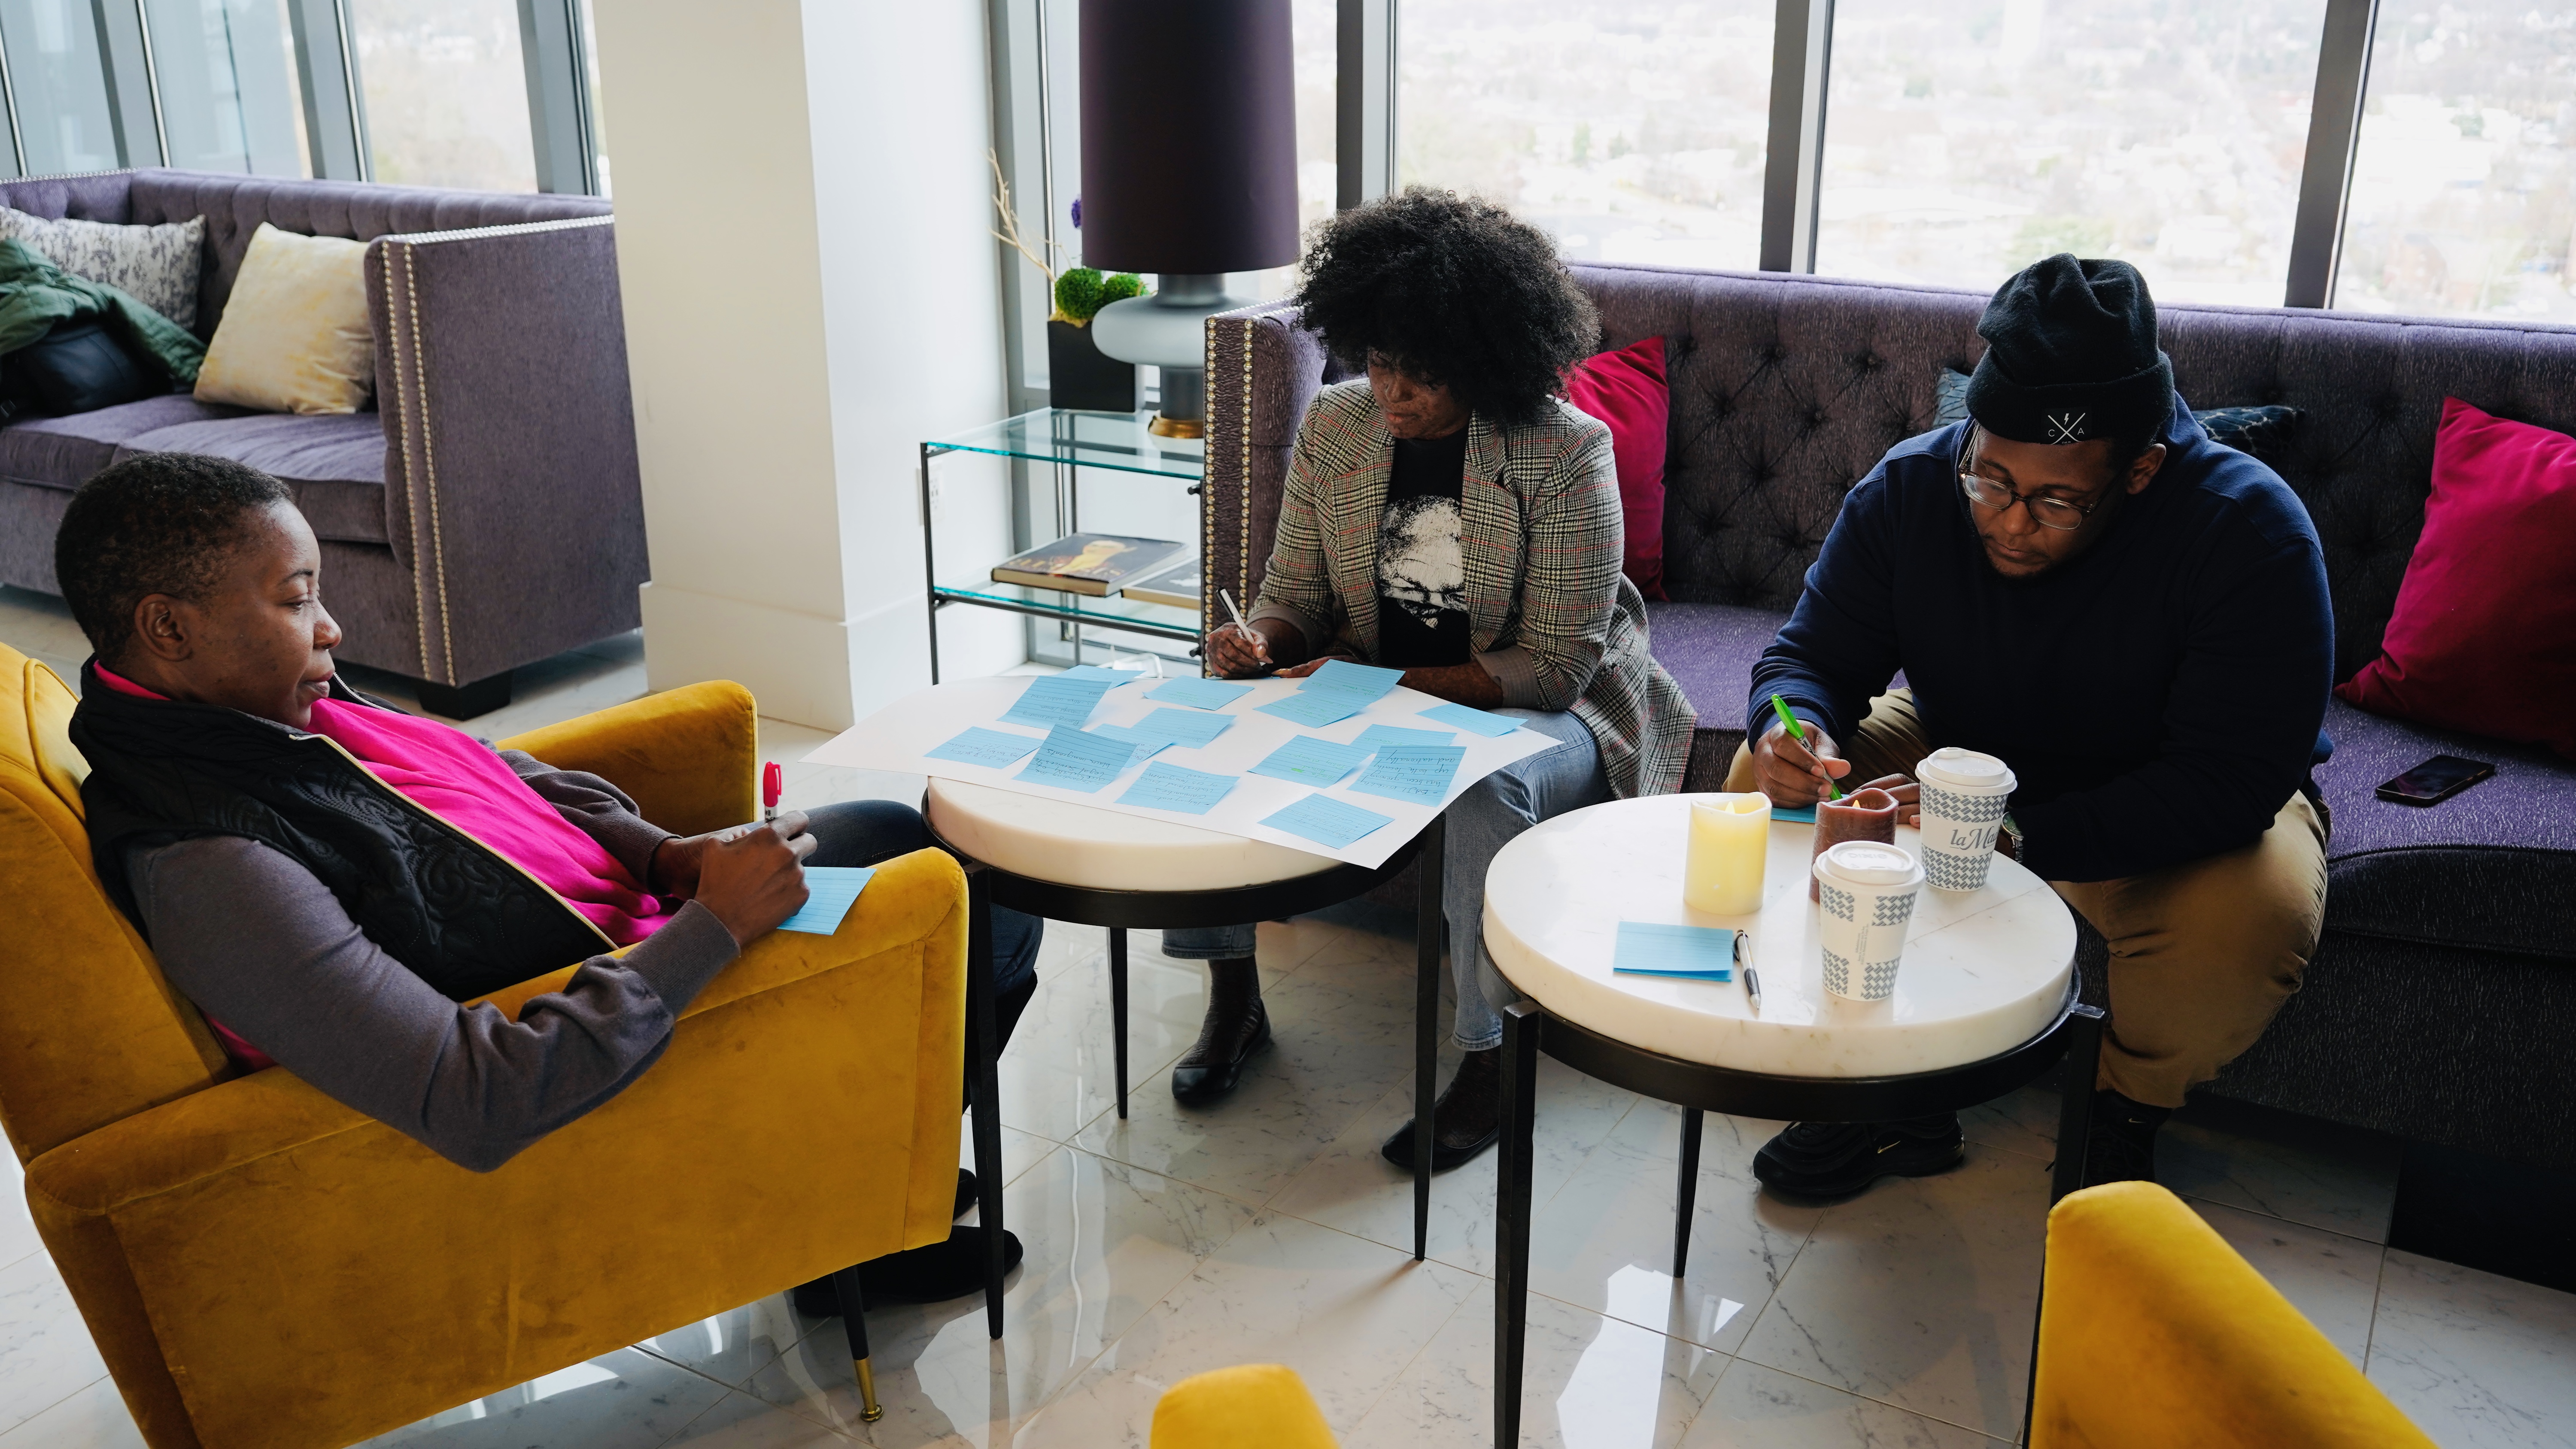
261,945
599,809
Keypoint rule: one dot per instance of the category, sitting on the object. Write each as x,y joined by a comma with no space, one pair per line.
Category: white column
810,289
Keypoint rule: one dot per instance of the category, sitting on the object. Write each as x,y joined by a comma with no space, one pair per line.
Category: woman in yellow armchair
329,879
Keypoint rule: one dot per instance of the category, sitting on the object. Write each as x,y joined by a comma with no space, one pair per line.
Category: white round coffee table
1984,1003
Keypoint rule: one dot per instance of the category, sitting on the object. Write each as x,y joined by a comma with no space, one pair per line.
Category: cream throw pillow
295,337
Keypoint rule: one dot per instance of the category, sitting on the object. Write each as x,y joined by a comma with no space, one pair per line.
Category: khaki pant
2202,954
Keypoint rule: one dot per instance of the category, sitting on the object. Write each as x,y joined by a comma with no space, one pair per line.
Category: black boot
1464,1121
1835,1159
818,1300
2121,1144
1236,1026
932,1274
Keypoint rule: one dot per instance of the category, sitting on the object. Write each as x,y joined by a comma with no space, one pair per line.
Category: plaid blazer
1549,613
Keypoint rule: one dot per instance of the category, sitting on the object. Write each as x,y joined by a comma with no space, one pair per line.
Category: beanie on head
2071,356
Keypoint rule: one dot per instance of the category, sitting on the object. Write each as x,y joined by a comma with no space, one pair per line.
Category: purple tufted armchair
2444,991
486,513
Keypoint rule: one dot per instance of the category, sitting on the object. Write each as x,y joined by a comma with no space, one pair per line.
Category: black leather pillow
78,367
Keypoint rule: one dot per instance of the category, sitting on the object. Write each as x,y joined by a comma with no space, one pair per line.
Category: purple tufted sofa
2440,1002
486,512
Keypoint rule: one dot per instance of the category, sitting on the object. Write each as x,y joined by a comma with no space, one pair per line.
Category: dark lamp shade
1189,136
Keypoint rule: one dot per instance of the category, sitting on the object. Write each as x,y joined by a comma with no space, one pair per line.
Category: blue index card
1057,699
1416,774
1693,953
1310,761
1377,737
980,746
830,891
1803,814
1318,709
1190,727
1199,693
1492,726
1326,821
1146,742
1366,681
1169,787
1072,759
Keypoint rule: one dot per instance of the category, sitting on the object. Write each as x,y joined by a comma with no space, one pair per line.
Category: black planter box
1079,376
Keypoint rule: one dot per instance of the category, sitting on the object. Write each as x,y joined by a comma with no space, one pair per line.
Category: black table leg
1118,1010
1522,1024
2074,1134
988,1089
1427,922
1686,1196
854,1319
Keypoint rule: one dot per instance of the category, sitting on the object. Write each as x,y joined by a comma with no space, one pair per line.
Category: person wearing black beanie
2134,618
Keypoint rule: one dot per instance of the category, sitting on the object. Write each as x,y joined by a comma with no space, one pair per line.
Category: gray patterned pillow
155,265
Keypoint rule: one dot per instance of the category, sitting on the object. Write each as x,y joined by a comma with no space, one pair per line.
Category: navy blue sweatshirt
2158,698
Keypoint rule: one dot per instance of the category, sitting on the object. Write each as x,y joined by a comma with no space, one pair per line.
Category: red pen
773,783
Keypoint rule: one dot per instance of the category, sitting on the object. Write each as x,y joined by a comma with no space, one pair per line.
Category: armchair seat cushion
63,452
334,462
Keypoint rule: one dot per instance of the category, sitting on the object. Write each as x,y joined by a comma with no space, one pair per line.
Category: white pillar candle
1730,836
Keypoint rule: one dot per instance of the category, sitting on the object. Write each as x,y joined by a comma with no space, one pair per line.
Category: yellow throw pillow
295,337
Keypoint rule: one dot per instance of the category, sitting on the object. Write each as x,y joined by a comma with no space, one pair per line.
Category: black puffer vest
463,918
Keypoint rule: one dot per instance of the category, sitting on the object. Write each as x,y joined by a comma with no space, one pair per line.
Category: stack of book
1154,570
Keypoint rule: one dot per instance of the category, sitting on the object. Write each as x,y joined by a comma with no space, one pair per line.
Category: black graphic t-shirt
1421,575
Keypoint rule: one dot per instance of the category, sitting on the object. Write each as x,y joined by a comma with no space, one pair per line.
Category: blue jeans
1482,821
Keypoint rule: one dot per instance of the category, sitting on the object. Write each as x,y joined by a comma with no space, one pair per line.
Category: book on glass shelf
1096,564
1177,586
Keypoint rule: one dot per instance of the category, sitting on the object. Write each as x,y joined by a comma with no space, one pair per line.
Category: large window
2464,184
446,89
57,86
1633,130
226,73
1963,143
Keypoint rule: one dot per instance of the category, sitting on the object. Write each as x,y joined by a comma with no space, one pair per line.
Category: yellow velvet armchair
1249,1406
261,1266
2154,1332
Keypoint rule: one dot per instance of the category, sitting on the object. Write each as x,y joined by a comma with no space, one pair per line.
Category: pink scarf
450,774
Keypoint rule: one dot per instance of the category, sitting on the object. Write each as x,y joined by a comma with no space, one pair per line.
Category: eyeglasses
2047,512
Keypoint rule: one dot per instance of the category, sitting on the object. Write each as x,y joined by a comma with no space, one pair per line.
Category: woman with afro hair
1451,516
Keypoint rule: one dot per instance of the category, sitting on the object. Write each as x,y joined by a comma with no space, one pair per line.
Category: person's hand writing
677,862
1792,774
1909,809
754,880
1234,652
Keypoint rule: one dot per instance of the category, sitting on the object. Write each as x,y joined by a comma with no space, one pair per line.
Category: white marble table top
1982,972
1077,845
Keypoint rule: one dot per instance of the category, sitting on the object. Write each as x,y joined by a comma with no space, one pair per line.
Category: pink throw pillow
2484,636
1626,390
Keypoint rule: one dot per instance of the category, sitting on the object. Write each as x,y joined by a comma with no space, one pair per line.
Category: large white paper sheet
900,737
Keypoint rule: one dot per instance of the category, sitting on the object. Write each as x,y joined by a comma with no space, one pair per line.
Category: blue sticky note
1199,693
980,746
1310,761
1804,814
1492,726
1379,736
1057,699
1190,727
1692,953
1316,710
1169,787
830,891
1072,759
1326,821
1364,680
1145,742
1417,774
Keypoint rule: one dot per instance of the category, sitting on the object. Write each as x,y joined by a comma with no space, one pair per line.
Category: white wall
810,290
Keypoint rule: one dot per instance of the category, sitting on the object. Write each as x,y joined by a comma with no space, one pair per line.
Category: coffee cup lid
1966,769
1866,862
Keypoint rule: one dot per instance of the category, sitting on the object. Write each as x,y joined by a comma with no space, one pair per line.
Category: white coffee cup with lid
1964,797
1864,902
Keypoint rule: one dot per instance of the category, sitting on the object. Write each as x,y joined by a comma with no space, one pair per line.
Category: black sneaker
2120,1146
1836,1159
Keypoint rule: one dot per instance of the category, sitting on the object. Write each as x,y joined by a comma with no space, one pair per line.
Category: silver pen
1260,646
1752,978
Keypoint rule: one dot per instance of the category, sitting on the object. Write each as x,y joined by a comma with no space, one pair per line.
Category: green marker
1790,722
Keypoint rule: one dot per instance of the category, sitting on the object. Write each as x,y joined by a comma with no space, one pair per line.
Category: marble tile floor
1268,1229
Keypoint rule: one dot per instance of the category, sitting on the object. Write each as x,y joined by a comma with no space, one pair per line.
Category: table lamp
1189,170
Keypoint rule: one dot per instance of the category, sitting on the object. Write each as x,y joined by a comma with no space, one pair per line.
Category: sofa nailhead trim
402,444
428,460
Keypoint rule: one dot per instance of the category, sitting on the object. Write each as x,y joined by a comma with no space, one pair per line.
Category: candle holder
1860,815
1730,838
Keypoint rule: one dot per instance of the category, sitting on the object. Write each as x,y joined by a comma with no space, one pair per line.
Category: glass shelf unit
1067,471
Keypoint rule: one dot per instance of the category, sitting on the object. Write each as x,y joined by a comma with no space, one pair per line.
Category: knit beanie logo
2066,427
